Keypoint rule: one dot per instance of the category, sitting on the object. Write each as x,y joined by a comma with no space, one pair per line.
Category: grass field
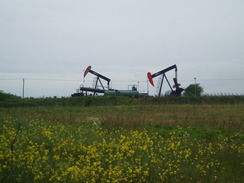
125,143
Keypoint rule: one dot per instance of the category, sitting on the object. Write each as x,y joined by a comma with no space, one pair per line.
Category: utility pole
23,91
195,87
147,88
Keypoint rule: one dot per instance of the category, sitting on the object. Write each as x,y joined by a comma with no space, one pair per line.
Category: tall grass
222,117
125,143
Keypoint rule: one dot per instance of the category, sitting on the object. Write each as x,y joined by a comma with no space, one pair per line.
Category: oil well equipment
99,88
162,76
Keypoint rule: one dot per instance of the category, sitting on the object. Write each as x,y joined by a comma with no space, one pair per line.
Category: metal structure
162,73
98,86
98,78
106,90
128,93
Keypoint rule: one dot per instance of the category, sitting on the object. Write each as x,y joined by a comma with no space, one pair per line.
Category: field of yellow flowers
82,145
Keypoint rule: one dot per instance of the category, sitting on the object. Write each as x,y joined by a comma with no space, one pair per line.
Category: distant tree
193,90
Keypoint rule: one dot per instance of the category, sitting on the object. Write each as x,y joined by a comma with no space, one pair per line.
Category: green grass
221,117
8,100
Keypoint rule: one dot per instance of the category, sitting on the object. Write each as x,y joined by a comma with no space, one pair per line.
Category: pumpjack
96,88
162,73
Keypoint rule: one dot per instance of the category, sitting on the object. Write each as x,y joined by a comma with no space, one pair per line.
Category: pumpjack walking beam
164,71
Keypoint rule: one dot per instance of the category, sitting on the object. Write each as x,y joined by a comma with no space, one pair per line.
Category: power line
234,79
49,79
39,79
231,79
12,79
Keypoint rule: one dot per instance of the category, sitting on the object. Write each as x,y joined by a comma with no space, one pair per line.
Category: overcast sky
51,42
